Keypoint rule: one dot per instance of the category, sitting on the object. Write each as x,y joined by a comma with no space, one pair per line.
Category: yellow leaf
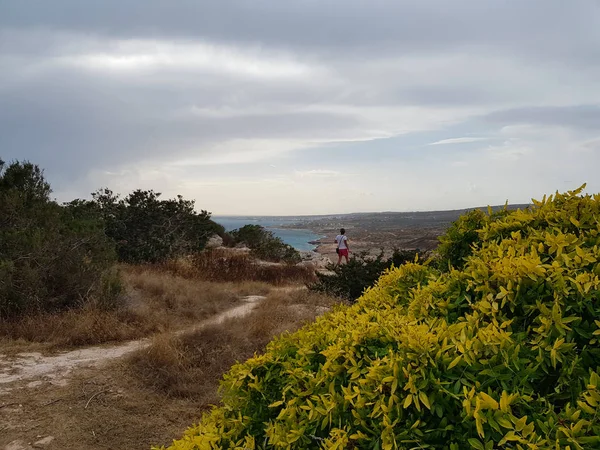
424,399
520,424
488,401
455,362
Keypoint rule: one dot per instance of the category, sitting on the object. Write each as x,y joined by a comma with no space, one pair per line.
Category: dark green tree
147,228
50,258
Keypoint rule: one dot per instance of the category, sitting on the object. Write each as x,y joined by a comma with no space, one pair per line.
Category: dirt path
96,399
29,370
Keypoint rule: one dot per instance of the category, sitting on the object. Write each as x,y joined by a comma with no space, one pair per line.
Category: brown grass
227,265
147,400
155,301
191,365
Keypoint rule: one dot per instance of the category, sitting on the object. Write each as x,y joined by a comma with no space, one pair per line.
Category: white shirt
341,241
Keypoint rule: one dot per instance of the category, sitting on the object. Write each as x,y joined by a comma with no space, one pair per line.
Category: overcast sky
305,106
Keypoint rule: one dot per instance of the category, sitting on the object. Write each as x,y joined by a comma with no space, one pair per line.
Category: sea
296,237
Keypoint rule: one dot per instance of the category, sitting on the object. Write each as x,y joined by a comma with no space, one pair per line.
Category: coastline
369,233
373,241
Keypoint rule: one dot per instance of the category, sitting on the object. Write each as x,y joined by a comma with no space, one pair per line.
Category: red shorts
343,252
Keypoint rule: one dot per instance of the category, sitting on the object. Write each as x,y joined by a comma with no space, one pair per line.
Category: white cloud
148,56
236,152
461,140
319,173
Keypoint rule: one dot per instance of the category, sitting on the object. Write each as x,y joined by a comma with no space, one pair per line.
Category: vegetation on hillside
349,281
146,228
56,257
51,257
495,346
265,245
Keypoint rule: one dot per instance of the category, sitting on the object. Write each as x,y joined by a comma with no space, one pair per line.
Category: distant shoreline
367,232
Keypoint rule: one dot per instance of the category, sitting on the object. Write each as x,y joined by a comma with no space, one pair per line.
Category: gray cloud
336,23
71,123
104,85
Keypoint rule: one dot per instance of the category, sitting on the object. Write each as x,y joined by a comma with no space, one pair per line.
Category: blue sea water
297,238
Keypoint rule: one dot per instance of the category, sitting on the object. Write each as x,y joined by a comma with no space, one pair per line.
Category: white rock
214,241
17,445
44,442
315,259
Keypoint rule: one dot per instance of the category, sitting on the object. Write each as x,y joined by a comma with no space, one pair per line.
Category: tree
50,258
26,181
147,228
265,245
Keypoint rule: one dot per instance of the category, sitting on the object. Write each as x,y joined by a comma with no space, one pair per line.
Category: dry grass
86,326
191,365
156,301
227,265
158,298
148,399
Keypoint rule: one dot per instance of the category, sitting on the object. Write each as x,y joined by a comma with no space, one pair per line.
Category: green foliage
349,281
500,351
265,245
147,228
462,237
51,257
459,239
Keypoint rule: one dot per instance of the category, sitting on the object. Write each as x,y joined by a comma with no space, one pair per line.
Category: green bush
265,245
501,352
147,228
349,281
51,257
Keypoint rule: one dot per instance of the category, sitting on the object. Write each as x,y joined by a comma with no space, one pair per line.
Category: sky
271,107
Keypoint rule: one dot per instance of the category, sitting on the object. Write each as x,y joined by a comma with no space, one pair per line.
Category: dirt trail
35,368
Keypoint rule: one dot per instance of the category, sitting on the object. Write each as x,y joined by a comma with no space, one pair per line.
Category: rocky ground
374,241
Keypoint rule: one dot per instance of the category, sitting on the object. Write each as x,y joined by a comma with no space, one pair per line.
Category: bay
296,237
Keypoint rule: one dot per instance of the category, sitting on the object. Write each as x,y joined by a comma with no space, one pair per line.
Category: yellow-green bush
501,353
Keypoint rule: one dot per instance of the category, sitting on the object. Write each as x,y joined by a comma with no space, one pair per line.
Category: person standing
342,246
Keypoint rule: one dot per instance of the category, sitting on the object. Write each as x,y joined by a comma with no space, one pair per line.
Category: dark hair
342,231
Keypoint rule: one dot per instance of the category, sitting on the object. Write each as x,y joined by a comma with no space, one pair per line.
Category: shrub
502,352
51,257
265,245
349,281
147,228
462,236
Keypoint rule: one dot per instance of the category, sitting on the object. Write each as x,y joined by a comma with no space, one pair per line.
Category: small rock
17,445
214,241
44,442
320,310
